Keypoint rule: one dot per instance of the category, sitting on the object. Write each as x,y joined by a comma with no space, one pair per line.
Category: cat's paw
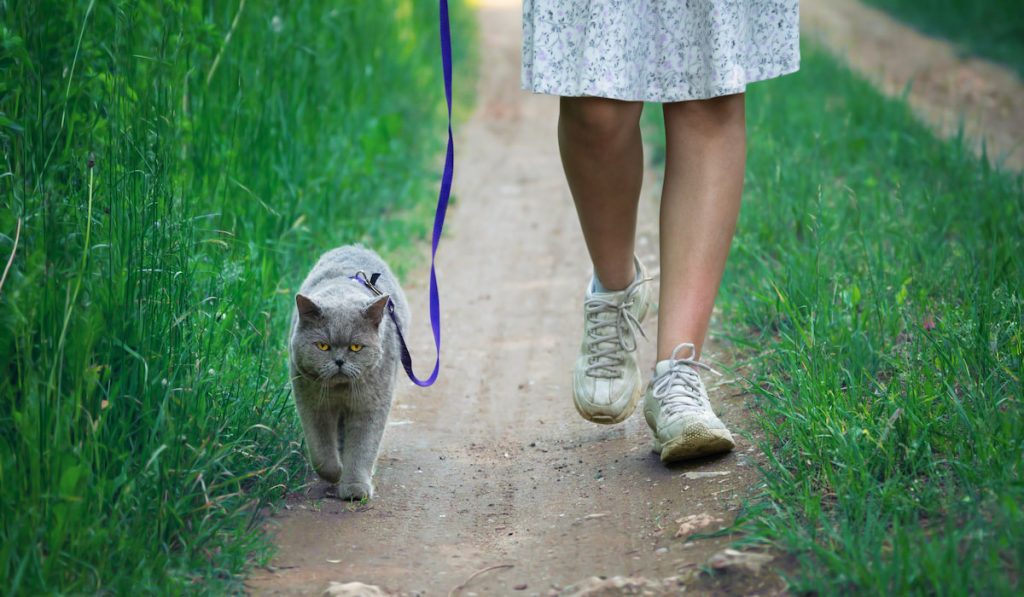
354,491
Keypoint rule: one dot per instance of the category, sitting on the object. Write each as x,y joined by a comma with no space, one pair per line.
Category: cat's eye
355,347
323,346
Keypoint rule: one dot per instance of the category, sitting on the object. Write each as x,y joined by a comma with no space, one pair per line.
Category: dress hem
550,90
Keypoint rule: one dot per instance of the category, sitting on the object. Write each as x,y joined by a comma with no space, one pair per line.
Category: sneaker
678,411
606,379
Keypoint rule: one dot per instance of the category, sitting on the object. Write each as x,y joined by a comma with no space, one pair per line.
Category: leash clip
370,282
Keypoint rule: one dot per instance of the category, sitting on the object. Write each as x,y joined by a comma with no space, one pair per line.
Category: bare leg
603,158
704,164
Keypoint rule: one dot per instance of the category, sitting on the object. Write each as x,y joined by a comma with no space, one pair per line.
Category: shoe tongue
661,367
607,294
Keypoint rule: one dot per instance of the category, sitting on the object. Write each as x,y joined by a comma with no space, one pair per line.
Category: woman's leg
603,158
704,164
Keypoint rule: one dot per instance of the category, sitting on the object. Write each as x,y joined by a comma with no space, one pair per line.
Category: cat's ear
307,308
374,312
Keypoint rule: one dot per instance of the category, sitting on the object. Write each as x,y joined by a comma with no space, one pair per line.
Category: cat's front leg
320,426
363,432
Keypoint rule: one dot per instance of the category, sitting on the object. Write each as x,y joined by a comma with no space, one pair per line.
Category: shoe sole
695,443
609,419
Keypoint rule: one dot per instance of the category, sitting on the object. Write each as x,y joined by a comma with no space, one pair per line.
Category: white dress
657,50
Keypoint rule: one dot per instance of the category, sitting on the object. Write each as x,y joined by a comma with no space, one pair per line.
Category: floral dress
657,50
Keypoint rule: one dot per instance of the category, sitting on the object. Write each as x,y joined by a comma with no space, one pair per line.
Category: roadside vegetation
876,287
992,29
170,172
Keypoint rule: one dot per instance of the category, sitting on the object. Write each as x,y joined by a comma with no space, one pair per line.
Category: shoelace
679,388
606,349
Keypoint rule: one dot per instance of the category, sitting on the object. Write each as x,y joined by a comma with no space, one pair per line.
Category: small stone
703,474
520,587
354,589
694,522
740,560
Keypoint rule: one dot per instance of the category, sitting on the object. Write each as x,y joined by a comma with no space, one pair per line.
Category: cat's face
338,337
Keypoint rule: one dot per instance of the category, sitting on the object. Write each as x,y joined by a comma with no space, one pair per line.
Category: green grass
992,29
876,285
176,168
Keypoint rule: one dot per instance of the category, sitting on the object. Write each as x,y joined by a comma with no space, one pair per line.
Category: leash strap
442,207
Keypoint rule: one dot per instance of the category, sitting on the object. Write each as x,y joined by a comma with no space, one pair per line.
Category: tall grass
992,29
876,284
176,167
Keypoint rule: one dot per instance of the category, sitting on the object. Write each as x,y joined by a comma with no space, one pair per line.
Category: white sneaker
679,413
606,379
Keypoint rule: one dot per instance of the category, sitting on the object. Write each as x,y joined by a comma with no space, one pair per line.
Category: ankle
679,350
616,282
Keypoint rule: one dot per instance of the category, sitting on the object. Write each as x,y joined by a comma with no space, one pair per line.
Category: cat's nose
339,362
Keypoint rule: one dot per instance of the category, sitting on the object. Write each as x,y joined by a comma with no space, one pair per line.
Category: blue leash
442,207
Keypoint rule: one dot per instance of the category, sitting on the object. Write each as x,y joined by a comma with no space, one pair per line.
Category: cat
343,358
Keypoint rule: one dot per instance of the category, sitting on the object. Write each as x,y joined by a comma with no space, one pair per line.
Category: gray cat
343,356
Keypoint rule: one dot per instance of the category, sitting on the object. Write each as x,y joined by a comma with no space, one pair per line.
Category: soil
945,88
492,465
489,482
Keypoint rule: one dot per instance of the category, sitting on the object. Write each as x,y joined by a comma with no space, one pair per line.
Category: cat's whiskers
324,373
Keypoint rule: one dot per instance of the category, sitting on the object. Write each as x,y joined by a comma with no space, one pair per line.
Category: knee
599,121
709,115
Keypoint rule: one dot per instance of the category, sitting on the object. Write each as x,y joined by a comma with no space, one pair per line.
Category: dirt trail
493,466
945,88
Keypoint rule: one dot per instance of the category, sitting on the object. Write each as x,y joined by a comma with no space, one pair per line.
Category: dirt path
492,466
945,88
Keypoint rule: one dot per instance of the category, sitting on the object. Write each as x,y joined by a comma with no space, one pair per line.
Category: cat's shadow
317,490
